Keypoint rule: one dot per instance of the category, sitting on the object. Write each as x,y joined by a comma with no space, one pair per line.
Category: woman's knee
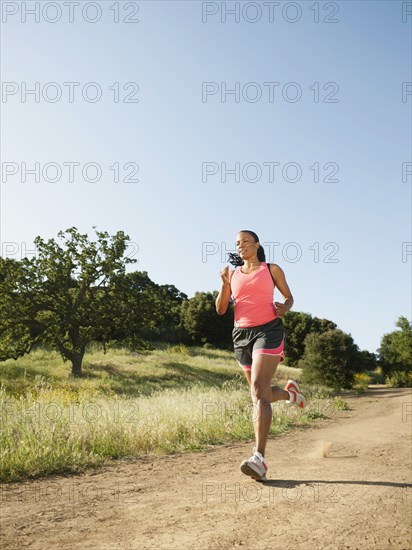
259,390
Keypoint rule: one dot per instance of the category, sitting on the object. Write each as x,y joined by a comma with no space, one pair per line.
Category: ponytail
261,254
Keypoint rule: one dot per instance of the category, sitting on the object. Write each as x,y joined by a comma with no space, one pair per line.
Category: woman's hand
281,309
224,275
223,298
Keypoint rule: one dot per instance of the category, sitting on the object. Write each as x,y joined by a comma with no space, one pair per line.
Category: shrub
395,352
399,379
340,404
361,381
179,349
376,376
329,359
208,346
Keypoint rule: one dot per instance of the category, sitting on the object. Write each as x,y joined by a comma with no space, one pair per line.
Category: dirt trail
359,497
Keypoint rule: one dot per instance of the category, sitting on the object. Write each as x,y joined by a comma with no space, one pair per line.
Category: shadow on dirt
291,483
378,391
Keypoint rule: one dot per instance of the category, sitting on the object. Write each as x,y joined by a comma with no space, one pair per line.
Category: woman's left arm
282,285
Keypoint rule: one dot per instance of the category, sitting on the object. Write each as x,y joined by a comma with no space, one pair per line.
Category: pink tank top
253,296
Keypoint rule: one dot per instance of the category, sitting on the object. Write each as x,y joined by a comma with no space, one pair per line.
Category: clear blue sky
171,214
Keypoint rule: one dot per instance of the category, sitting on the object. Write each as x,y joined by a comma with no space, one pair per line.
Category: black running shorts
267,339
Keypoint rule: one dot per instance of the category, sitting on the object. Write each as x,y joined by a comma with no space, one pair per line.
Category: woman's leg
248,374
278,394
263,368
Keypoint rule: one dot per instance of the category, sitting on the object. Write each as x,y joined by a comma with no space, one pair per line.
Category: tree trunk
77,360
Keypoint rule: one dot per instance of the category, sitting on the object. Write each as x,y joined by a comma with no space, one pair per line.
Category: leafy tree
367,361
18,326
297,326
395,351
203,325
146,310
65,297
170,328
331,358
322,325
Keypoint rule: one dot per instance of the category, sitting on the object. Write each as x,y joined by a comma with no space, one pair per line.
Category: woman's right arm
223,298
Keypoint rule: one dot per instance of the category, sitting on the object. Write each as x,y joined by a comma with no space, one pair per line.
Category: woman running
258,336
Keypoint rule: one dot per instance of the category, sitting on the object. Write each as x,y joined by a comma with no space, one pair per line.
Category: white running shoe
255,467
297,397
292,385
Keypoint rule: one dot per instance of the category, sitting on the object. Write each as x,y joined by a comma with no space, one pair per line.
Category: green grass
340,404
170,400
120,372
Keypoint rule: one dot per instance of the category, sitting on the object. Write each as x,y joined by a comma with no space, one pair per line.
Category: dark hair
236,260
